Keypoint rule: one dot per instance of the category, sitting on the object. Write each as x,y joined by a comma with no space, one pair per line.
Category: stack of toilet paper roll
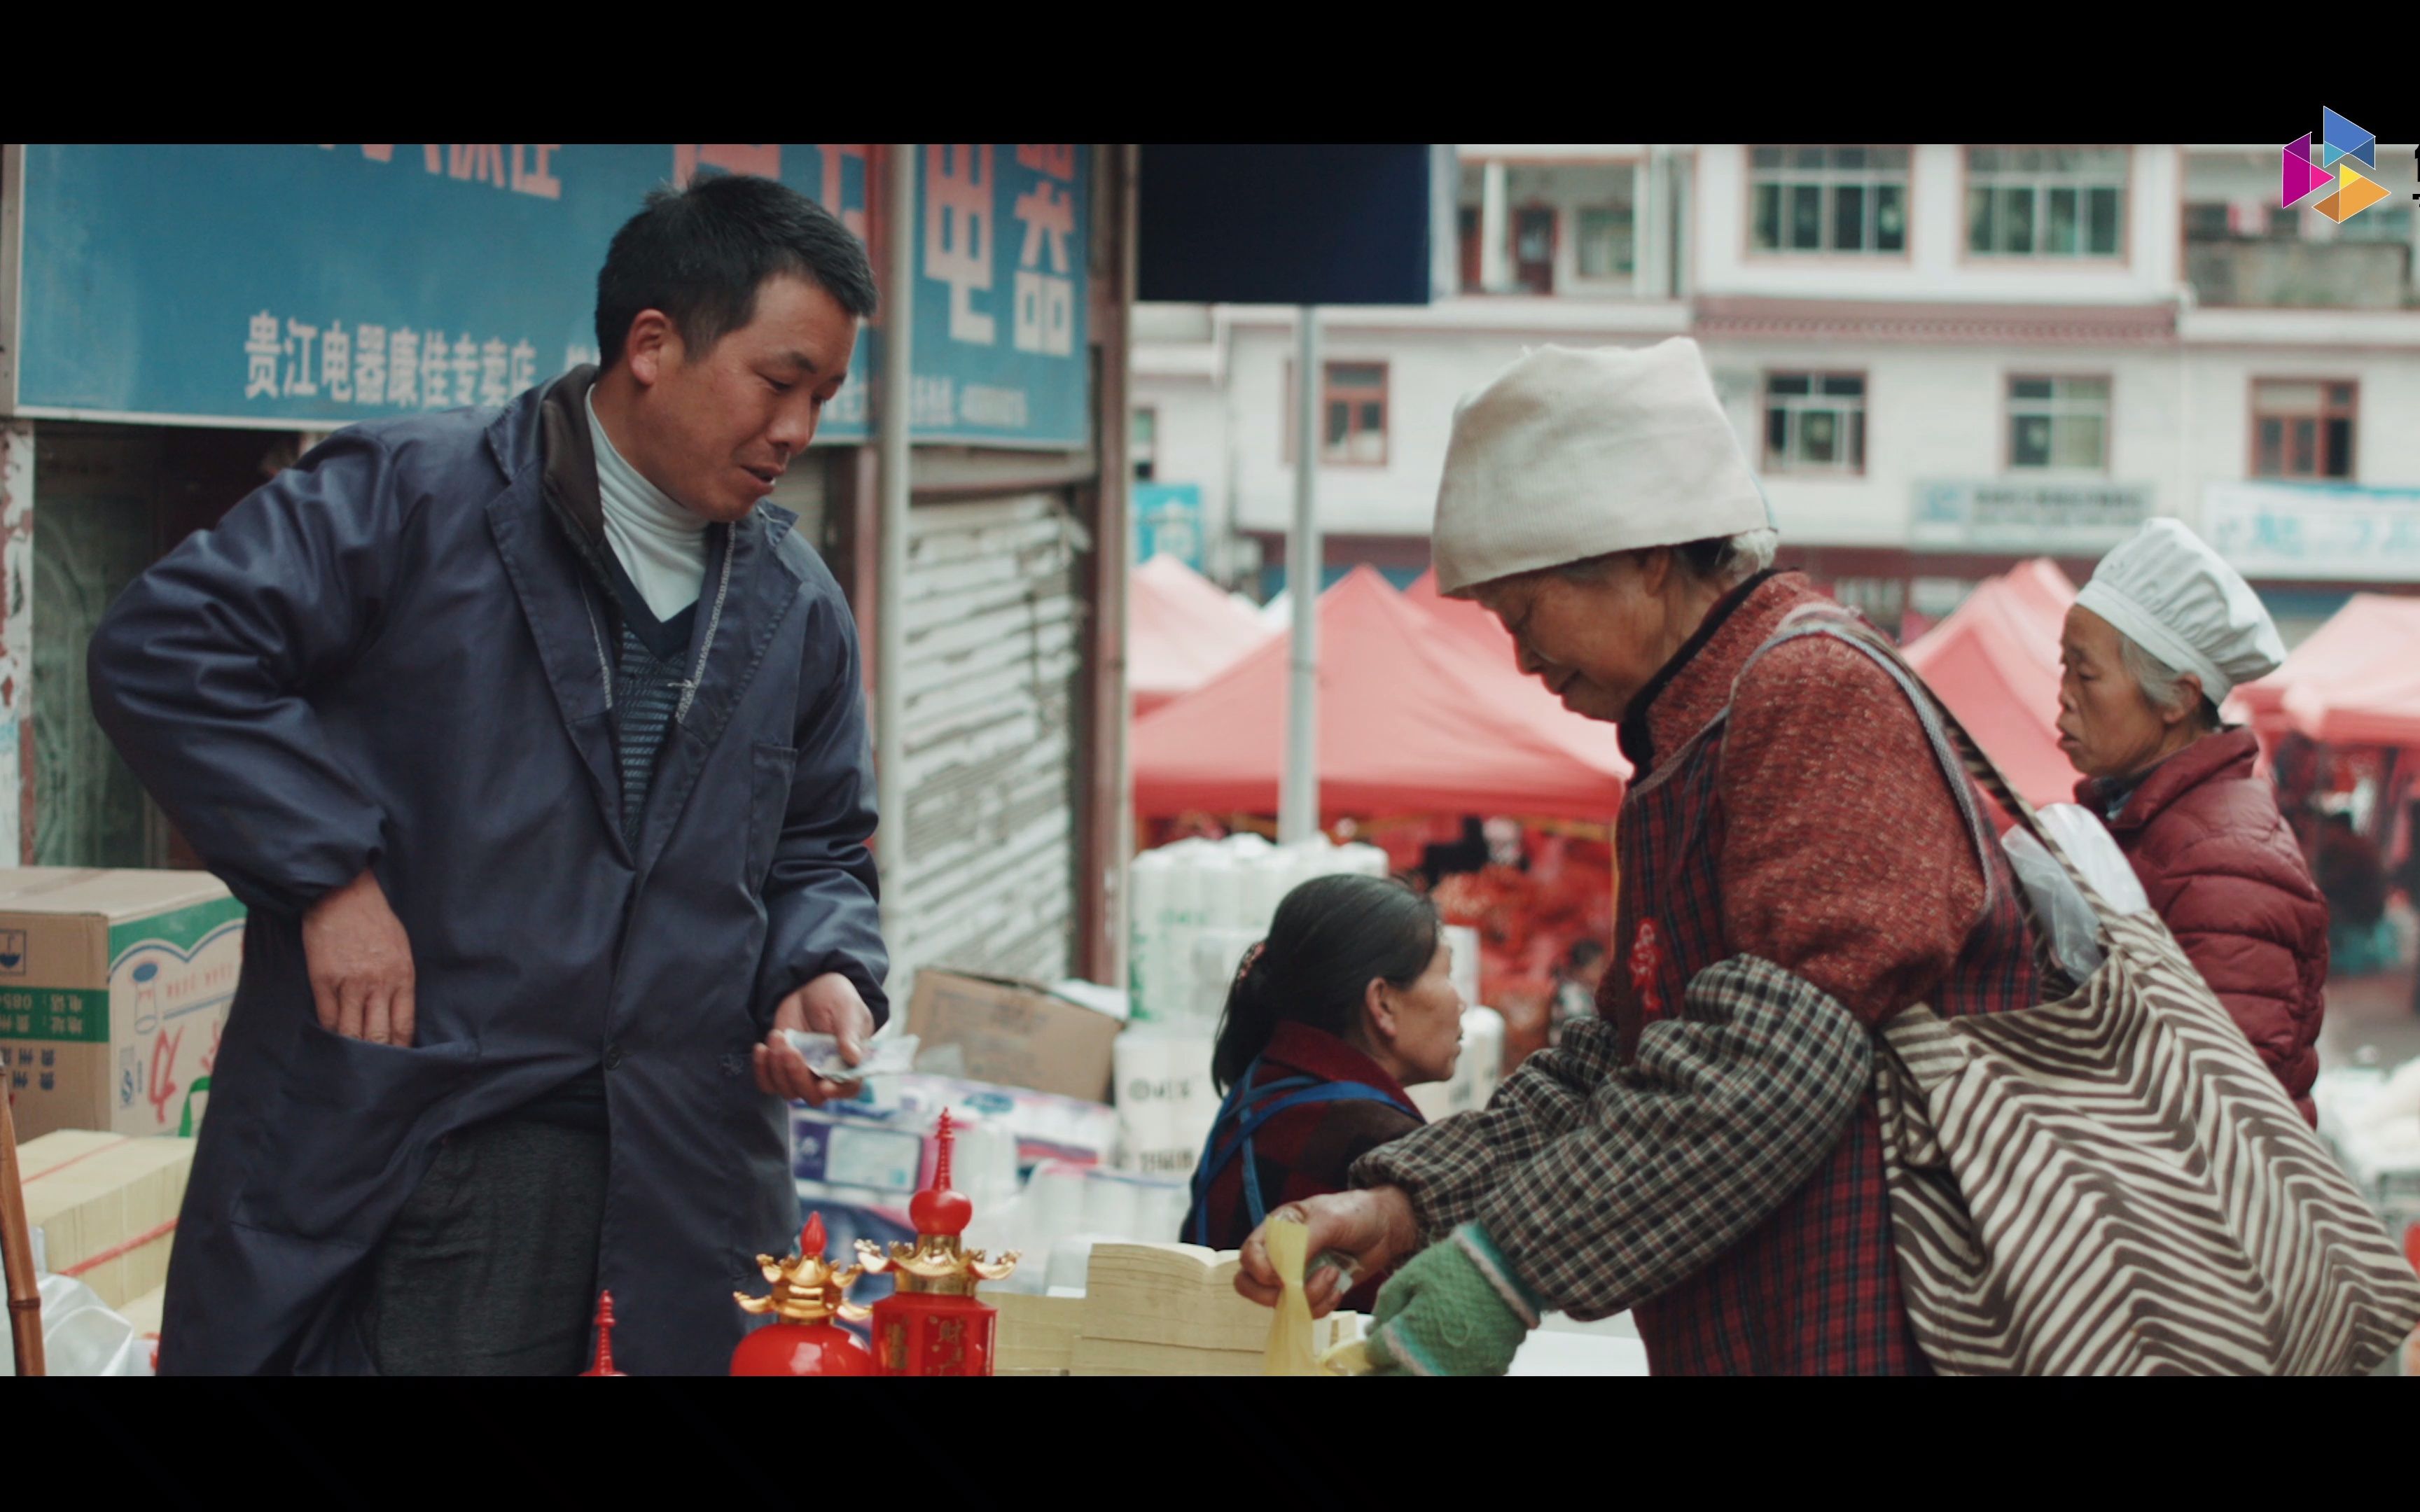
1196,906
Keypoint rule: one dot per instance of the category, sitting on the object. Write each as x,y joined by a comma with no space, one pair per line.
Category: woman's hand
1373,1228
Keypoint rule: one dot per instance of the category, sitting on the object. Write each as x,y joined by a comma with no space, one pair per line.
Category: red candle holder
604,1365
806,1296
932,1324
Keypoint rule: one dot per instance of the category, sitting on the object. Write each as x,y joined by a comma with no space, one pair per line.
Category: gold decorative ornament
806,1288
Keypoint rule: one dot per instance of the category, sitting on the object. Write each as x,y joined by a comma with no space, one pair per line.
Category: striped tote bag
2112,1182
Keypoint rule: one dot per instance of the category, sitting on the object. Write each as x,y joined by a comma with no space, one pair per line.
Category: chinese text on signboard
322,286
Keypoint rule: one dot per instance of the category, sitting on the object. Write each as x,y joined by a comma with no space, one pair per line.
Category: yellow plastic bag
1290,1340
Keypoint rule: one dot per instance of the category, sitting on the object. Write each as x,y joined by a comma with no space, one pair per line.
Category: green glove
1455,1309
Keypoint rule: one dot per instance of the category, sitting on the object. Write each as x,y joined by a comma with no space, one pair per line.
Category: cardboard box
113,987
1015,1033
144,1312
106,1204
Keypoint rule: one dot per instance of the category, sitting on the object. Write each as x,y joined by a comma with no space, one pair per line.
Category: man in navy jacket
534,740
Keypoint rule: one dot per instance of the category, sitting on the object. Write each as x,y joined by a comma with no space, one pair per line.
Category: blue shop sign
313,287
1168,518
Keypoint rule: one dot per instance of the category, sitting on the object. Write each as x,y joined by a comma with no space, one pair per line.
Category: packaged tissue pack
874,1149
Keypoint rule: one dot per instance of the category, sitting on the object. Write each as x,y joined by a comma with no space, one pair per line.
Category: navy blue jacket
382,658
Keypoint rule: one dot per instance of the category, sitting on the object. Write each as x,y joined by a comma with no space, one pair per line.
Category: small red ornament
604,1365
931,1324
805,1297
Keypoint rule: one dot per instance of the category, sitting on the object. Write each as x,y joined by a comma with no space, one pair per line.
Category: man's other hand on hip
360,961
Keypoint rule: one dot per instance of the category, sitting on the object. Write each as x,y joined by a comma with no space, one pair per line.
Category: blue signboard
1168,518
319,286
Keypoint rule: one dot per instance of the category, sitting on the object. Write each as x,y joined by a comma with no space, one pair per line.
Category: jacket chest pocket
771,770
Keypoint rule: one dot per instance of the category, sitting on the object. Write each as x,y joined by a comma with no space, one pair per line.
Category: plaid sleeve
1448,1168
1727,1110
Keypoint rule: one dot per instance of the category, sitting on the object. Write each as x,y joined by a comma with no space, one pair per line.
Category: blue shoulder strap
1298,1091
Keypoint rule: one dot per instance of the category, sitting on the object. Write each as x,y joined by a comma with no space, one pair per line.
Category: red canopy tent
1461,616
1411,719
2354,682
1181,632
1995,662
1479,640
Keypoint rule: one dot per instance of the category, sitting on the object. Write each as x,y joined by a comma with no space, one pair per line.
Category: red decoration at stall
806,1295
604,1365
931,1324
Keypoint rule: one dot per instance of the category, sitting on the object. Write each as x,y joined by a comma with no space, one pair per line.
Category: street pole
1299,792
897,406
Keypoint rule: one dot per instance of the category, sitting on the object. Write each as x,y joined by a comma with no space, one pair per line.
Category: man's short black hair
700,253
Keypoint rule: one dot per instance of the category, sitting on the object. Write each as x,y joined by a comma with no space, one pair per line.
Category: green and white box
114,986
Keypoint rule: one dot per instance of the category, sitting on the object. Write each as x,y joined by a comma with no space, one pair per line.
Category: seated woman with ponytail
1346,1003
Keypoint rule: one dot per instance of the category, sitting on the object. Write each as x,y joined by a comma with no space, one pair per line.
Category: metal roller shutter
993,652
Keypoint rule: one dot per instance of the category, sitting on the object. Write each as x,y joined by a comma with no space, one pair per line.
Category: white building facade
1942,359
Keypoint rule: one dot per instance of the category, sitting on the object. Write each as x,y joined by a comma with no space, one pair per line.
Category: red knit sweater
1824,758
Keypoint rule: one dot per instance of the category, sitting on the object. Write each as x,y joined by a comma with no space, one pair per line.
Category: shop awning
2355,681
1181,631
1411,719
1995,662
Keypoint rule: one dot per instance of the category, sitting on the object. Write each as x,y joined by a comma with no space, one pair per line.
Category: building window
2058,422
1815,422
2389,221
2045,202
1830,199
1533,249
2209,221
1352,414
1468,225
1609,243
1353,411
1145,443
2302,428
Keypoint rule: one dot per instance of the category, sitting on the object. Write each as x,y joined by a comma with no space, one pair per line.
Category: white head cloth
2166,590
1568,454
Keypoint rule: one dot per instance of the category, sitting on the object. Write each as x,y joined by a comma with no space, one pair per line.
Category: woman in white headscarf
2154,643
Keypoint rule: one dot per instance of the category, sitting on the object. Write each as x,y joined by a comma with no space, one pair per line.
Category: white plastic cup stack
1363,861
1165,1100
1114,1205
1272,876
1053,1206
1475,1074
1226,880
1217,955
1465,943
1147,888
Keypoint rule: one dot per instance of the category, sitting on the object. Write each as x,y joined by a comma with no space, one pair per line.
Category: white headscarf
2167,592
1568,454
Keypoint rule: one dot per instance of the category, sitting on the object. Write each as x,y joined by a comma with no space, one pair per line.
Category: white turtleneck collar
659,544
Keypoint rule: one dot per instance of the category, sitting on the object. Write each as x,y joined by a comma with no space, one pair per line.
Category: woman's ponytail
1249,1020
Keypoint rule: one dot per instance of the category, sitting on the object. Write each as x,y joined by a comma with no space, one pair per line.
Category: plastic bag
2089,844
1290,1348
2074,931
80,1335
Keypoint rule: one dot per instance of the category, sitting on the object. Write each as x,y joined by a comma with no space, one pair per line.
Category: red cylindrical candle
931,1324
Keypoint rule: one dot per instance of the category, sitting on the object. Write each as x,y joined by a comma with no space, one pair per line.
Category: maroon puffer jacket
2224,872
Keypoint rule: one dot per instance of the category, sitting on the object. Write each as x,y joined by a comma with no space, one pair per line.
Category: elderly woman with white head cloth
1801,860
2154,643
